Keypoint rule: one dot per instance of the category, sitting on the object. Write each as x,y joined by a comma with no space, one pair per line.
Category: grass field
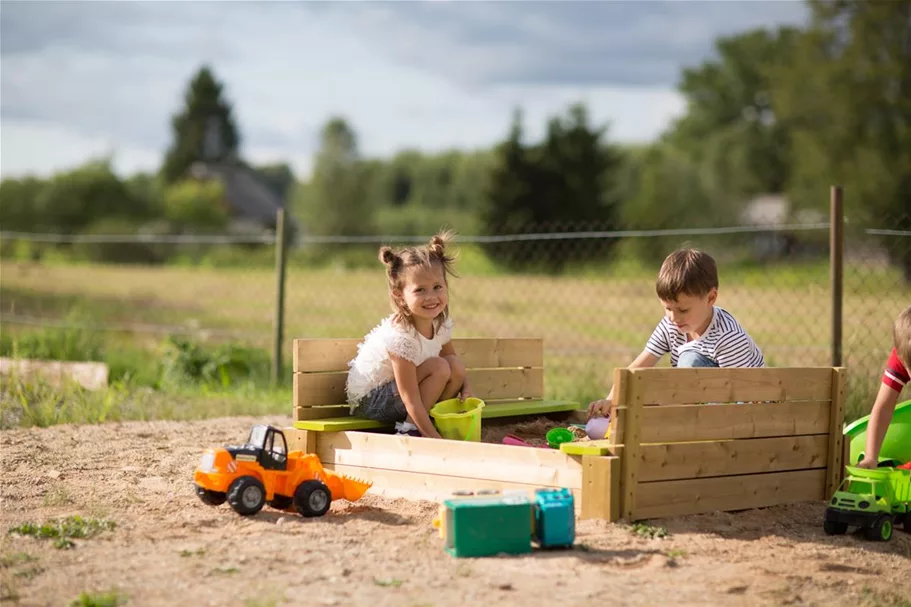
591,322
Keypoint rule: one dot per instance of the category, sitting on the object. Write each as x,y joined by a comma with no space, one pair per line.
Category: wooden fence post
279,320
836,268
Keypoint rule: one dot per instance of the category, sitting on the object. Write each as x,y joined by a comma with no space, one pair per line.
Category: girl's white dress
372,367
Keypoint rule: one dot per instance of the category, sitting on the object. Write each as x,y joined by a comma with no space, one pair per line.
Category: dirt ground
167,548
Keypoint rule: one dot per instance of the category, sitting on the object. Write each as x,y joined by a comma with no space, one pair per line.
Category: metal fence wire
590,294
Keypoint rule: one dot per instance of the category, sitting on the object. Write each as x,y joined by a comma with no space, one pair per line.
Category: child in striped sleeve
694,331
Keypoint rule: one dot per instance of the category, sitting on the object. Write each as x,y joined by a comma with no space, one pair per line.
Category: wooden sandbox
684,441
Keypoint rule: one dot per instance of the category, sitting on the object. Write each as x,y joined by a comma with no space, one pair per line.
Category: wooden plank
300,440
321,412
713,385
836,462
695,496
601,488
89,375
629,395
339,424
337,418
494,462
432,487
680,423
527,407
312,389
604,446
324,355
734,457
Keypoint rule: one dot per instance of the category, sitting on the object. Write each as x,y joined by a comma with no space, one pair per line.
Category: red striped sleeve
895,376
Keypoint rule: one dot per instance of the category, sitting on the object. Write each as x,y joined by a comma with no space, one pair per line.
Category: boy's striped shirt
895,375
725,342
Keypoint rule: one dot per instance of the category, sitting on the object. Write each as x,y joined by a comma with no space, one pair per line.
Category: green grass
63,531
111,598
593,319
34,403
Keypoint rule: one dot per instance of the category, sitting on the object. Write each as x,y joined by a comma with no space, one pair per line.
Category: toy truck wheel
881,530
834,528
281,502
211,498
312,498
247,496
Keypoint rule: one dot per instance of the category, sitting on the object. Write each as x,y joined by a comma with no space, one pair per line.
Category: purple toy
597,428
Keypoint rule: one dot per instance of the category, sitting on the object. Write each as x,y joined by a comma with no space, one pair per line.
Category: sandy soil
169,549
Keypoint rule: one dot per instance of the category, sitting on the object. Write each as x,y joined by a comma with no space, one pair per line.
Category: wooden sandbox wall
683,441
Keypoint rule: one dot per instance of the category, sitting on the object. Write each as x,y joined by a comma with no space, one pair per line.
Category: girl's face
424,291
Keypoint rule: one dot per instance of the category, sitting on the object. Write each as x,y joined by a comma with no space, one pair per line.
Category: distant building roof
247,195
774,210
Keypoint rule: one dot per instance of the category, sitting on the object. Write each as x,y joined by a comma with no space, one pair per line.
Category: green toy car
874,500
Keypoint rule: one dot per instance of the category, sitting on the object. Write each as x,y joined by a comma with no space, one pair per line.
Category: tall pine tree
204,131
564,184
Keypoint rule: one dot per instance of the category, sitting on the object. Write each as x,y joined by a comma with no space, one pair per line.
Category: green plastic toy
896,444
874,500
557,436
459,420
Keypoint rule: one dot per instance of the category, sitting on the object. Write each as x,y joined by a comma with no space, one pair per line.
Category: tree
204,131
564,184
847,98
730,127
337,203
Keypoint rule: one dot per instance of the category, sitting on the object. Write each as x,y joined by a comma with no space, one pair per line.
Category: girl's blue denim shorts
383,404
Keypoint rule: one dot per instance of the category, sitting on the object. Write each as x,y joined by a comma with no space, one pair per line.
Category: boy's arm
449,353
605,405
880,418
406,380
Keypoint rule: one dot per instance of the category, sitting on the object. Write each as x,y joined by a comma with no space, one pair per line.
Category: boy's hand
869,464
600,408
466,393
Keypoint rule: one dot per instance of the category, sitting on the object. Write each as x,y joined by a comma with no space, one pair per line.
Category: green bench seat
493,410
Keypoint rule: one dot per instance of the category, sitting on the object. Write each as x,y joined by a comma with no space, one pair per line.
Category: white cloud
79,79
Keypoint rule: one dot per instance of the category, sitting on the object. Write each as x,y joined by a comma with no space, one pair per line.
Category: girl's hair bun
438,243
386,255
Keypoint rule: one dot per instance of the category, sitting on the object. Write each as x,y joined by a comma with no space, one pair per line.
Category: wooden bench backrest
501,369
697,440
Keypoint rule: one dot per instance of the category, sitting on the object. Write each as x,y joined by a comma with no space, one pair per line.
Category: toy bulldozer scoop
346,487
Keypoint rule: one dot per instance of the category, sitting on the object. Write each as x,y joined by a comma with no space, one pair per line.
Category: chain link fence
590,294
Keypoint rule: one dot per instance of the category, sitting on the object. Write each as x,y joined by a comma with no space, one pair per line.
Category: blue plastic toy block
555,518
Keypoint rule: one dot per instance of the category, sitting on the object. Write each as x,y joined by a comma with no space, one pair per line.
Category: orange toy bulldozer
262,471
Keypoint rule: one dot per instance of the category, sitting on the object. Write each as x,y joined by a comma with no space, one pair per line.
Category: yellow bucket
458,420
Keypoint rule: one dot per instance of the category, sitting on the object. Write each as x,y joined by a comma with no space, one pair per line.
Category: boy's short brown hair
901,336
686,272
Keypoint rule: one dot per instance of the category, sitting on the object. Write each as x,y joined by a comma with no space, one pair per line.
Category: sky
85,79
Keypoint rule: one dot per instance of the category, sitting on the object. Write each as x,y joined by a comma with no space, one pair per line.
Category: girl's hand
466,393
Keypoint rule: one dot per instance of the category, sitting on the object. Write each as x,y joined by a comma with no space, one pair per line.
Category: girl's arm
880,418
605,405
449,353
406,380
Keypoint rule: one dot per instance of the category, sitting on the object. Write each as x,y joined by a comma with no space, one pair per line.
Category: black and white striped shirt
725,342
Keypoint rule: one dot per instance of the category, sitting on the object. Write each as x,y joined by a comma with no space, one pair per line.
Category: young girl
407,364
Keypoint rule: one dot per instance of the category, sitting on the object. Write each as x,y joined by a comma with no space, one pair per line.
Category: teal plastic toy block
485,526
555,518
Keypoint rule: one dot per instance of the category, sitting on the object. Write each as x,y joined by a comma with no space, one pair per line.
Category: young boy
694,330
895,377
